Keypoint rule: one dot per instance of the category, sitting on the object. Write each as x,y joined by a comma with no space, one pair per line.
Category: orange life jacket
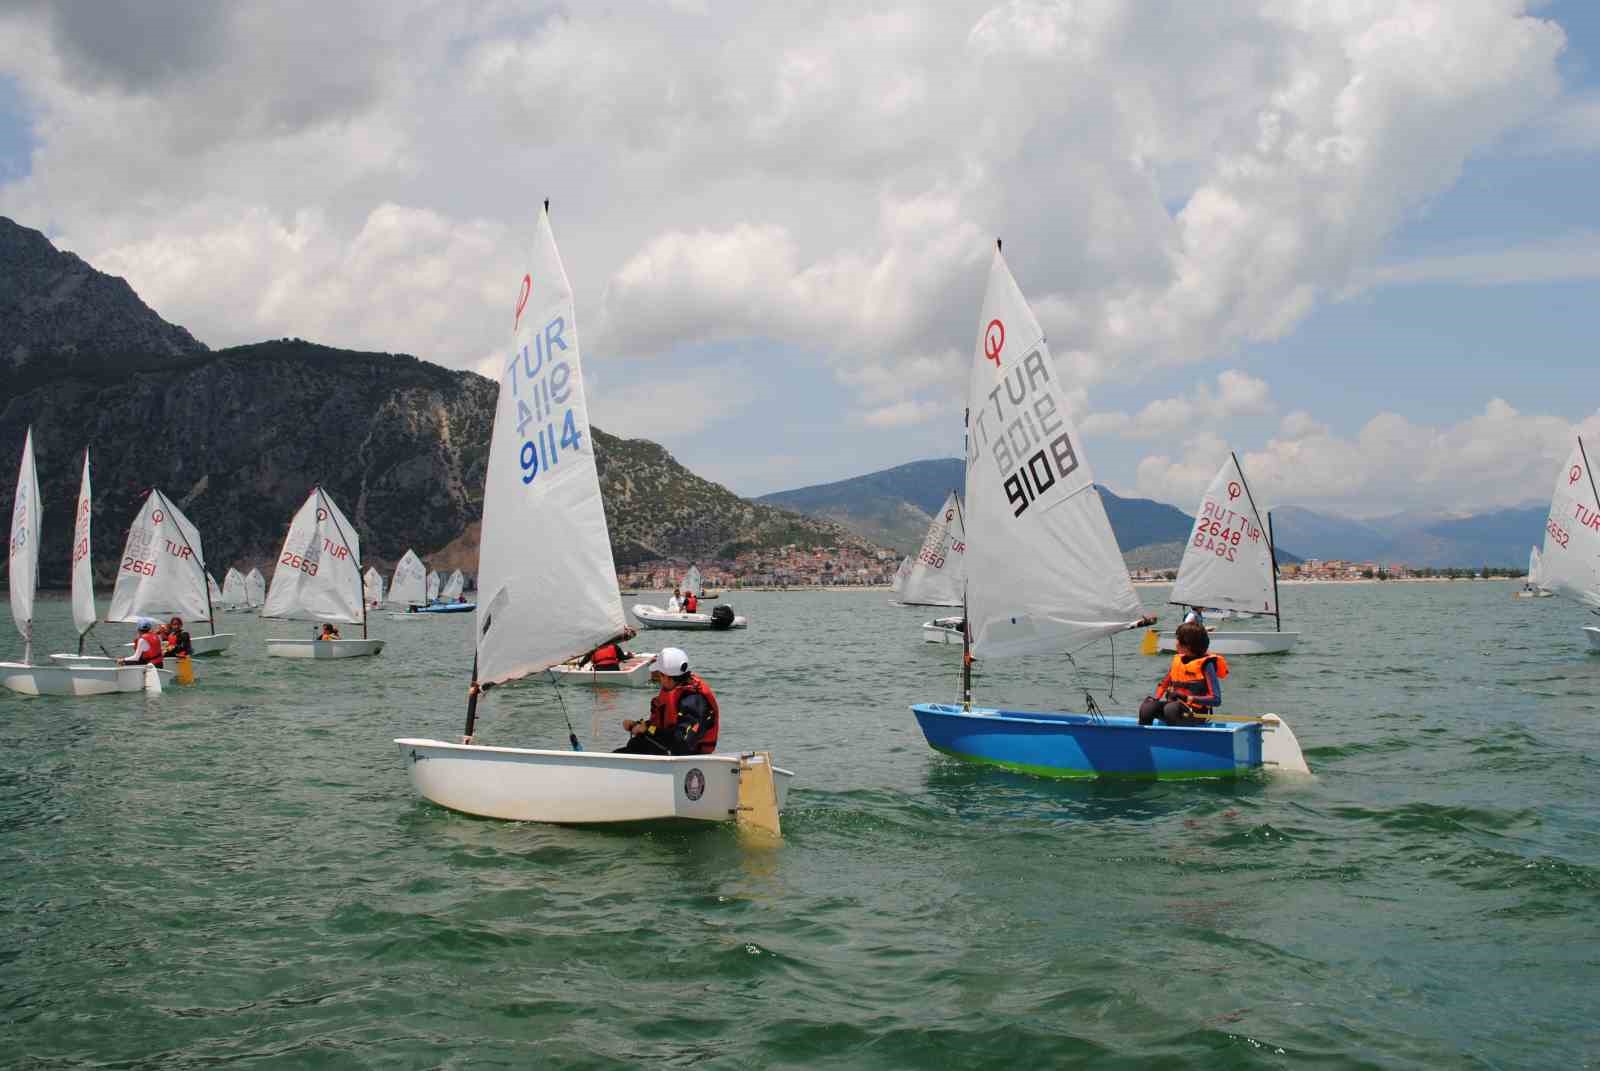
607,657
1185,680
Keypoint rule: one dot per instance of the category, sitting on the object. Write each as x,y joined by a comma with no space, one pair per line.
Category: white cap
671,661
145,624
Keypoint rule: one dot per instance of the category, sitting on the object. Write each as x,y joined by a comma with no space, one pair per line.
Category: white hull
1534,595
202,645
635,673
656,617
1594,637
320,649
576,787
942,630
1242,643
82,679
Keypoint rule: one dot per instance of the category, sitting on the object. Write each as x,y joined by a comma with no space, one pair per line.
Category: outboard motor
722,617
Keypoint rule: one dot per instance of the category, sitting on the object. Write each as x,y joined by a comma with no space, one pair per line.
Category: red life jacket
708,742
147,649
690,603
607,657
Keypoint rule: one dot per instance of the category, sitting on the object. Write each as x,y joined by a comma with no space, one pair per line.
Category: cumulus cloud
1236,394
1497,458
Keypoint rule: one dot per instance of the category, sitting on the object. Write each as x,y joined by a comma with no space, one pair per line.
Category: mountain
237,437
1496,538
1321,535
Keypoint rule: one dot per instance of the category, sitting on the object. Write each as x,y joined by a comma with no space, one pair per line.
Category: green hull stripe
1056,771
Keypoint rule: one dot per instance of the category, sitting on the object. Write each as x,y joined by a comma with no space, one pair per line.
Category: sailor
178,642
328,633
1192,688
675,604
609,656
684,717
146,647
1194,615
691,603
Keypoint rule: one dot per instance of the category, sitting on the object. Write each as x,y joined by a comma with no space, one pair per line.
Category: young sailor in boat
1192,687
691,603
178,644
609,656
1194,615
683,715
328,633
146,648
675,604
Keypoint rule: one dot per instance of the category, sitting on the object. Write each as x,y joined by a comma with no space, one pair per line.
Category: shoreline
1283,582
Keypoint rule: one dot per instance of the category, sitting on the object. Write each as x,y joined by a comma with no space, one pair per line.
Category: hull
323,649
942,630
576,787
656,617
1241,643
634,673
1534,595
202,645
1594,637
1097,746
80,679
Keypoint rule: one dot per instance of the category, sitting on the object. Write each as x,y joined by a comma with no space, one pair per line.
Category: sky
1357,243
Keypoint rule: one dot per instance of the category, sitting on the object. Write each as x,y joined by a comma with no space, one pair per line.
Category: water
239,872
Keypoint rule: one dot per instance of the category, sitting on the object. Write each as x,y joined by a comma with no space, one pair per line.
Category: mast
966,628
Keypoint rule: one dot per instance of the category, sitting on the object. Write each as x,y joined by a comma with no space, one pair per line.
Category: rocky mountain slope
237,437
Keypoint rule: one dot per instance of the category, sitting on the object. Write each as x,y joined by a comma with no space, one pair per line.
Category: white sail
900,575
255,589
1044,573
409,586
84,613
23,575
692,581
453,587
938,573
543,490
1570,564
163,569
372,586
213,590
1533,569
234,594
318,575
433,586
1228,562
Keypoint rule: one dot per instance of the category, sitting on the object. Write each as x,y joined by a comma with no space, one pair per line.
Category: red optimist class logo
1575,475
522,300
1233,490
994,340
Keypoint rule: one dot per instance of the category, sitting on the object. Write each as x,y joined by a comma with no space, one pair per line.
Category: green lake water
240,872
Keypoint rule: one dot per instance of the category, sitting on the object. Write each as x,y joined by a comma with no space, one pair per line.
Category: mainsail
84,613
163,569
900,575
692,581
453,587
318,575
255,588
543,490
1534,580
213,590
938,573
234,594
372,586
1570,564
23,576
433,586
1044,573
1228,562
409,586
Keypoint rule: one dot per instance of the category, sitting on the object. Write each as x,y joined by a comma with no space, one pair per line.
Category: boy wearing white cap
684,717
146,648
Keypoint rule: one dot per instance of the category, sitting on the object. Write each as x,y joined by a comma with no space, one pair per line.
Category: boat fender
722,617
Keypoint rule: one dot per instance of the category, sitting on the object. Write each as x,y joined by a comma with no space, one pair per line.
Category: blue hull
445,608
1083,745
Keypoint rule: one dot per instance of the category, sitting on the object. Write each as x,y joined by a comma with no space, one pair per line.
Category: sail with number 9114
547,585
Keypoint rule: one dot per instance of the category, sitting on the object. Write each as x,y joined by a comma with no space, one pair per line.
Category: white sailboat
163,575
409,584
538,610
434,581
234,596
1231,563
1570,564
1533,587
318,578
255,589
1045,576
453,588
372,587
938,574
73,677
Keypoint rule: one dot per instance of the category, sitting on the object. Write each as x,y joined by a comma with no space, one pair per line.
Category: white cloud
1564,257
901,414
1237,394
1497,458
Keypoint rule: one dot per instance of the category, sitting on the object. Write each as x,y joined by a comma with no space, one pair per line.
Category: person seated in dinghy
684,717
609,656
691,603
328,633
146,647
178,644
1192,688
675,604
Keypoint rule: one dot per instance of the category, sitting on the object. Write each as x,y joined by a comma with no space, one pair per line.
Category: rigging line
572,734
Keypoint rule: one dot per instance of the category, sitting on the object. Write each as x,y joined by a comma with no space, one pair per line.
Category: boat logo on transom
694,784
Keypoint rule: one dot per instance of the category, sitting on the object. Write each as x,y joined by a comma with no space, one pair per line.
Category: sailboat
1570,564
434,581
1045,576
1533,587
318,578
372,587
163,574
900,574
937,575
100,677
1231,563
255,589
409,586
538,610
234,596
